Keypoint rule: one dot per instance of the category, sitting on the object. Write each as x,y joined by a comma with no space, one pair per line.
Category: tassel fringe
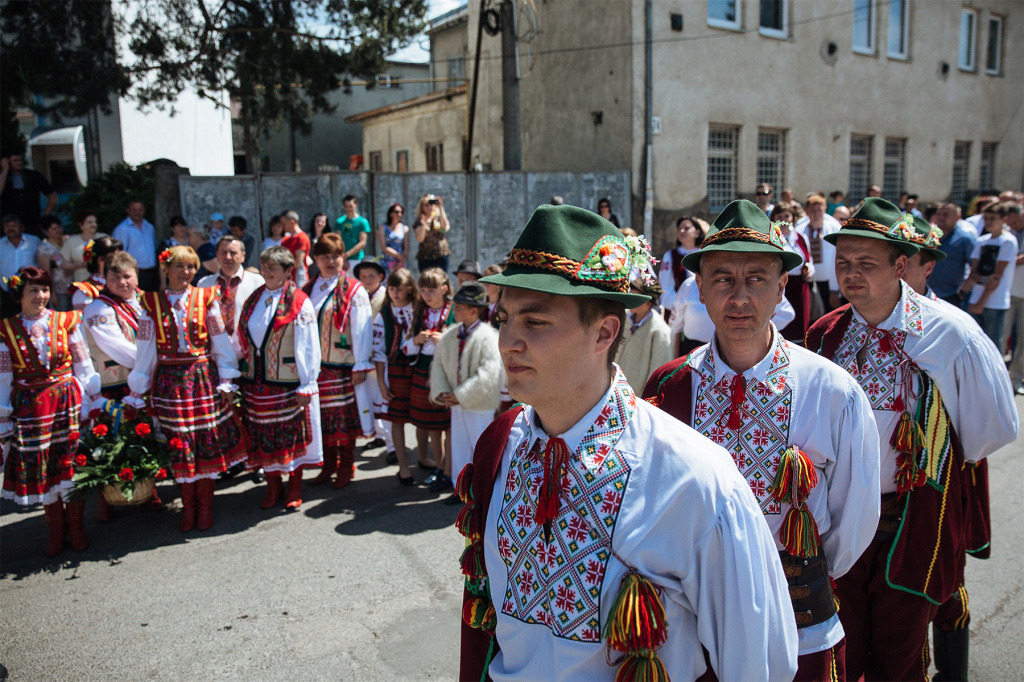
473,560
794,478
556,459
907,437
637,627
799,533
464,484
479,613
468,522
645,666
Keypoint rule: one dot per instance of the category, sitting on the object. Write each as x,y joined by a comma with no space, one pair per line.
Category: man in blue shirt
957,244
17,250
353,229
136,233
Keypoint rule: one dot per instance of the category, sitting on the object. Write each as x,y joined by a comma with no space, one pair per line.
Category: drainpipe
648,137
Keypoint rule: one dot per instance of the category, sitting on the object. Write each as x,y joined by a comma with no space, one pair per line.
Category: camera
431,199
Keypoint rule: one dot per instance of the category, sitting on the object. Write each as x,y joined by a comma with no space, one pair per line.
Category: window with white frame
864,26
386,80
968,38
994,50
961,157
895,169
722,145
860,166
775,18
899,18
771,157
987,179
724,13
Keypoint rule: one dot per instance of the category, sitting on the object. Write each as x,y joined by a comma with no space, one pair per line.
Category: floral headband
14,283
87,252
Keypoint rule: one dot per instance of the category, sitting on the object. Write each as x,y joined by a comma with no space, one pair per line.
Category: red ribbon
739,393
556,464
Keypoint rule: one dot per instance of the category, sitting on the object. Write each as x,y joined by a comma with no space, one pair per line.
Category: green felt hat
880,219
928,237
570,251
743,228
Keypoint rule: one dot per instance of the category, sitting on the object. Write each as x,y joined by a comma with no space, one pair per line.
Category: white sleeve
378,353
107,334
854,490
985,417
784,313
79,300
359,323
222,350
667,281
81,365
140,380
6,381
307,349
679,309
409,346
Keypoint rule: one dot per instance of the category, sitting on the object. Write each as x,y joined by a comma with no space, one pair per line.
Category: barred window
376,161
894,174
722,144
988,166
961,156
456,70
435,157
771,157
860,167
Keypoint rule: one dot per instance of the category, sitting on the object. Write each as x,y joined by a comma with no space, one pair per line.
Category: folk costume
185,362
233,292
690,318
801,432
941,397
85,292
423,413
646,345
381,429
467,365
798,289
390,329
280,347
626,532
47,382
671,275
343,318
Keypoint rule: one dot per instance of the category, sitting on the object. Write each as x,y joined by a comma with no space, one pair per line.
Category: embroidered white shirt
307,337
360,320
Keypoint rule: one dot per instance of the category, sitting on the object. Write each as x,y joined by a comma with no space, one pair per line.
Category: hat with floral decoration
880,219
570,251
743,228
928,238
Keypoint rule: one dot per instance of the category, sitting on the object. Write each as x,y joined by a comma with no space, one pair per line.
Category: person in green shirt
353,229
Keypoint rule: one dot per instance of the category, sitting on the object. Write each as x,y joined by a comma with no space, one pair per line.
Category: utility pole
510,86
476,82
648,132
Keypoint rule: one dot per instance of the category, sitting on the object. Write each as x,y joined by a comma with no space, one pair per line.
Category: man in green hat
600,528
799,429
941,397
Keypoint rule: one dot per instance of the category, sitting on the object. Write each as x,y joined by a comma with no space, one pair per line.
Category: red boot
188,507
274,488
204,501
105,512
346,466
330,466
294,498
55,525
76,525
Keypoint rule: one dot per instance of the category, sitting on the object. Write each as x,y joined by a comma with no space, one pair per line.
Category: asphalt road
359,584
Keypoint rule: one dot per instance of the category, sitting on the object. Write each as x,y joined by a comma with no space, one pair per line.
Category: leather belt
810,589
891,515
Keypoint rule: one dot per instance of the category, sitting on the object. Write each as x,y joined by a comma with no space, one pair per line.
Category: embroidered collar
593,436
771,371
233,279
176,292
36,318
328,283
906,316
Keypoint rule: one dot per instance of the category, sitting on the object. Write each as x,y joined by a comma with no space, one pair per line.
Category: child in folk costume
346,340
647,344
371,275
433,312
394,367
280,363
46,382
466,374
95,256
187,366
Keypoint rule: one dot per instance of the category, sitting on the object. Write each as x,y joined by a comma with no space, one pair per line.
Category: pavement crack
998,610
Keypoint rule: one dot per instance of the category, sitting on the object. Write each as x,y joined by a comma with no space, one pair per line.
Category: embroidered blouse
307,338
360,320
403,314
102,322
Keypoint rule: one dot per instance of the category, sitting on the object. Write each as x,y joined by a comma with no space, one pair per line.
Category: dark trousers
425,263
149,279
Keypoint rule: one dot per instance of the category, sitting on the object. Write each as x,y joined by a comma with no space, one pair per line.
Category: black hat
472,293
369,262
470,267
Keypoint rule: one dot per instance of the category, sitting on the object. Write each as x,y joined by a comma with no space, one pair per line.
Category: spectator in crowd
236,283
647,343
239,229
137,235
393,239
50,258
276,232
976,222
798,286
199,240
1015,318
75,244
179,234
217,228
815,227
787,195
908,204
842,214
493,294
17,250
299,244
874,191
430,229
604,209
557,200
671,273
20,192
992,269
468,271
835,200
354,230
958,245
763,195
317,226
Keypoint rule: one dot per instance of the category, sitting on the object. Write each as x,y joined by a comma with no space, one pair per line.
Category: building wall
442,120
451,41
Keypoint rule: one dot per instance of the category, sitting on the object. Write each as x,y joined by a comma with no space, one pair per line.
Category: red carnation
100,430
126,474
73,437
80,460
160,475
177,444
65,462
143,429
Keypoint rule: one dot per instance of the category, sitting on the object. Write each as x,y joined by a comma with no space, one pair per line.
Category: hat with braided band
880,219
743,228
928,238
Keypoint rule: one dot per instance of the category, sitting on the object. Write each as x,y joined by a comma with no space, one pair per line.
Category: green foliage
108,194
125,455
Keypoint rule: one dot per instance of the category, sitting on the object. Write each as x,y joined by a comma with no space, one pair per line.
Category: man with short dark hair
235,282
949,274
992,269
763,194
874,191
298,243
17,250
20,190
1015,317
137,235
353,229
238,227
584,498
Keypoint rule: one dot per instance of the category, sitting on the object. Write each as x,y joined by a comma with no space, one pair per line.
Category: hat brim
376,266
907,248
549,283
790,260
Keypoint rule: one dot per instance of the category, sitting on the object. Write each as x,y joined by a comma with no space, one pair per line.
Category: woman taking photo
75,244
431,227
393,240
46,377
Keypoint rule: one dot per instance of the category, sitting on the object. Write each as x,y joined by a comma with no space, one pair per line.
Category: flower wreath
87,253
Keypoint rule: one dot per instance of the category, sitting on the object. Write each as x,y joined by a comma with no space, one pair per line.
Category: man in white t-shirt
1015,318
991,276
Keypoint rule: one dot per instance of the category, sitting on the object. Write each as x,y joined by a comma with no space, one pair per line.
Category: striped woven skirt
279,430
339,413
204,438
423,413
39,466
399,380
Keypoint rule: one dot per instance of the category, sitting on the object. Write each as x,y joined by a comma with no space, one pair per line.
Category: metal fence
486,210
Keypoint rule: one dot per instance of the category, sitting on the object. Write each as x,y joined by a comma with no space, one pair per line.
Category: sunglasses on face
764,192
